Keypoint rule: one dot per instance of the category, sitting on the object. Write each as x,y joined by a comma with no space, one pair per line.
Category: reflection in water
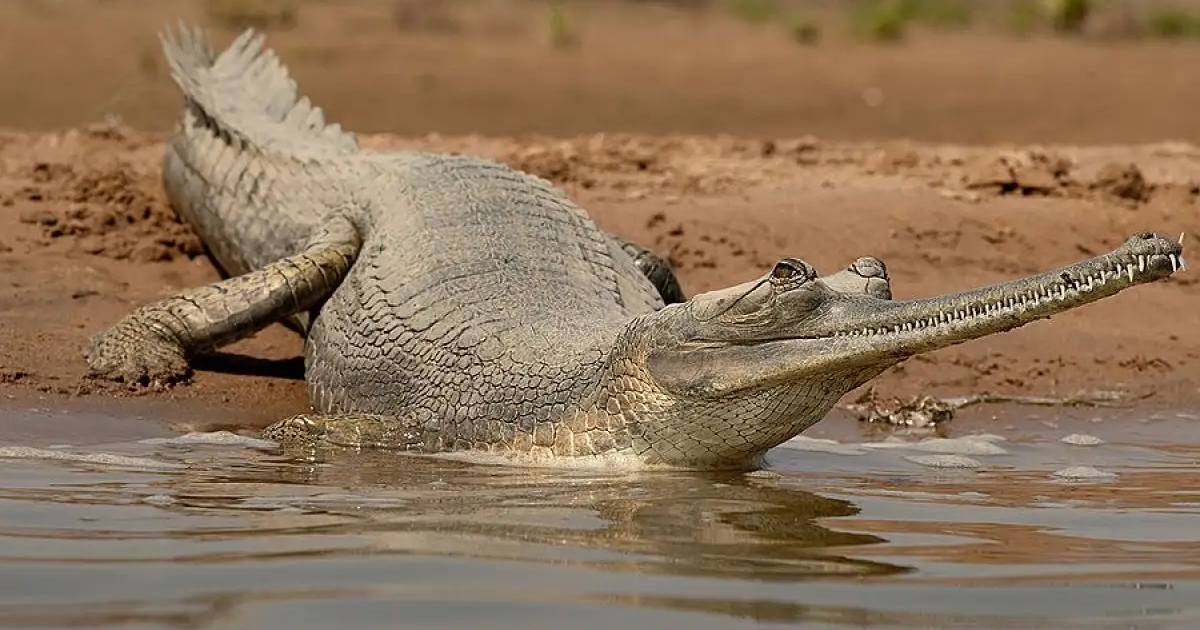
691,524
226,536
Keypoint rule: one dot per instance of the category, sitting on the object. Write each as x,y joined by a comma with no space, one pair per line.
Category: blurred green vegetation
1068,16
558,25
805,22
755,11
1174,24
886,20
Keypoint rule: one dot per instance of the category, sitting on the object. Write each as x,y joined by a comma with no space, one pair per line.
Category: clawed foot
298,430
129,353
349,430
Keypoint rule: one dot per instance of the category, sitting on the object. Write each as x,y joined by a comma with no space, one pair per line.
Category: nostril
870,267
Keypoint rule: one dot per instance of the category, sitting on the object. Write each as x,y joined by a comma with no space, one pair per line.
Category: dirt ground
87,235
1029,174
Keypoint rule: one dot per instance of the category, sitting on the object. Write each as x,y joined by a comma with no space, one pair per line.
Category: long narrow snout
915,326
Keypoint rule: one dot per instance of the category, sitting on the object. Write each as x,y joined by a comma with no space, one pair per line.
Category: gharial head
739,370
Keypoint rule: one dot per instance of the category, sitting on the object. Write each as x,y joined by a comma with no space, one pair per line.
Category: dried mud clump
1124,181
112,211
1031,173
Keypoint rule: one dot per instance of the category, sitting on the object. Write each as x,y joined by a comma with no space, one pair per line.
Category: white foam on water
105,459
1082,439
217,438
821,445
1083,472
159,499
944,461
966,445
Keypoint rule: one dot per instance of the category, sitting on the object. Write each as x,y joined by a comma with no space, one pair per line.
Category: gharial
451,303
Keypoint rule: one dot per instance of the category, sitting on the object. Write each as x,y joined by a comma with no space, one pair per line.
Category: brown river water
111,521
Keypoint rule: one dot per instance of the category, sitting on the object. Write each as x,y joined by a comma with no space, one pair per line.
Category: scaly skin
454,304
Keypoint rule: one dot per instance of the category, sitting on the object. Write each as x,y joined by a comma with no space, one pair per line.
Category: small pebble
944,461
1083,472
1081,439
763,474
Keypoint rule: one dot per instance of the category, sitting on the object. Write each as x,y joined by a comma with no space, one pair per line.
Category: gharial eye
791,272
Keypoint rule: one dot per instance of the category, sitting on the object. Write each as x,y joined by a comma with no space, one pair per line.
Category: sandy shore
86,235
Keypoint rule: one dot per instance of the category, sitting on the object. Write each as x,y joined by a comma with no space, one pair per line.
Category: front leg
153,344
656,270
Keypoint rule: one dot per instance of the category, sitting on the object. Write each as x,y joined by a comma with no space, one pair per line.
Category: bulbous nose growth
867,275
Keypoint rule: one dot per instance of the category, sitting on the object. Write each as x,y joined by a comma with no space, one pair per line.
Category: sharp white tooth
1174,263
1182,264
1141,263
1089,283
1130,270
1181,238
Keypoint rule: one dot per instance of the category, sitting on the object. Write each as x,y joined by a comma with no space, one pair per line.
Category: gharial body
451,303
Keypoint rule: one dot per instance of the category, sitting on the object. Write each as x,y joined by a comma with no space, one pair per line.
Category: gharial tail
246,96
